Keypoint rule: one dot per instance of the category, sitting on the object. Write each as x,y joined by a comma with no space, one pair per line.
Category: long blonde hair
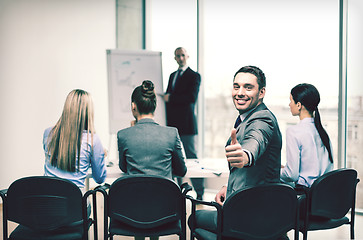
64,144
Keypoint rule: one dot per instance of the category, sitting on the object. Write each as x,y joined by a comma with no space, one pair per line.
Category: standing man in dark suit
180,98
254,149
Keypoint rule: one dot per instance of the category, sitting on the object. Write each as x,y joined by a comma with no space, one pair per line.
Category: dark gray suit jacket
148,148
259,133
180,110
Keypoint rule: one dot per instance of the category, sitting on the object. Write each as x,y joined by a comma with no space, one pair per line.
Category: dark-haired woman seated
308,148
146,147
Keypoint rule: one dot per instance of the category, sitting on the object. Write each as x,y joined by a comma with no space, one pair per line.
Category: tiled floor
341,233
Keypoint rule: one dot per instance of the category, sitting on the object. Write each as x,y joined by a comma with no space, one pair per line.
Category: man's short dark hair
261,79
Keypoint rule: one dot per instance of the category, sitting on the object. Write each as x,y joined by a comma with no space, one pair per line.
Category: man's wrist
250,159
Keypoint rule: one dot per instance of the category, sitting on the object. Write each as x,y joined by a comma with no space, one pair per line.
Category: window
291,41
354,93
353,131
170,26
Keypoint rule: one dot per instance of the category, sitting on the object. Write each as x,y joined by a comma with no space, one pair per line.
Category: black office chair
264,212
329,200
145,205
46,208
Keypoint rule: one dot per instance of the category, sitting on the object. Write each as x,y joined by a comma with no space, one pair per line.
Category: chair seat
321,224
119,228
262,212
69,233
329,200
47,208
154,206
202,234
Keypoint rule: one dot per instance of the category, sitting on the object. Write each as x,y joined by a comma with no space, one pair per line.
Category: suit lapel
241,128
181,78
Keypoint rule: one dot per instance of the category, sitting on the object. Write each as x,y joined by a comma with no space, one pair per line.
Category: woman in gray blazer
146,147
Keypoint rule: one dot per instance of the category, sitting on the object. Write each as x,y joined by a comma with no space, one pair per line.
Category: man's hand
234,153
221,195
166,97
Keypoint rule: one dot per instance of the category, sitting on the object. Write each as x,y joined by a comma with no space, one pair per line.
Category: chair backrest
44,203
333,194
145,201
260,212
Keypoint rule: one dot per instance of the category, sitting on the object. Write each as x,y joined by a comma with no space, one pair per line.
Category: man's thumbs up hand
234,153
234,137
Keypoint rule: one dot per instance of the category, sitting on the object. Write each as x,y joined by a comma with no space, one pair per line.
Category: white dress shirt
306,156
176,75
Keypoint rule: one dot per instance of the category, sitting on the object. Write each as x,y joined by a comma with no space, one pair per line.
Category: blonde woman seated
71,147
147,147
308,147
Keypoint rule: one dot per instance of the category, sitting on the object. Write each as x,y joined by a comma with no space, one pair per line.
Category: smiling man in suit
180,98
253,150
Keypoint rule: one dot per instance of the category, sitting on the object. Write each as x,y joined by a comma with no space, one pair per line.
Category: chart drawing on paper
127,70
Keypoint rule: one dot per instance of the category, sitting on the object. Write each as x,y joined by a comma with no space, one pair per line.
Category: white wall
48,48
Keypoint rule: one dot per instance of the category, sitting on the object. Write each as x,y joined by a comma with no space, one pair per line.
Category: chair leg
305,235
352,220
296,234
351,230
